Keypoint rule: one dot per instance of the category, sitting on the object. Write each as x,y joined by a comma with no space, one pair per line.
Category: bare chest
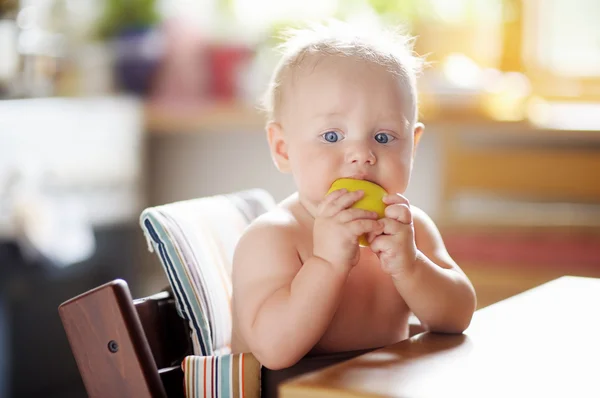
371,312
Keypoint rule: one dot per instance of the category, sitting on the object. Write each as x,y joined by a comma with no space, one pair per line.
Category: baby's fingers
399,212
395,198
362,226
355,214
392,227
329,199
340,202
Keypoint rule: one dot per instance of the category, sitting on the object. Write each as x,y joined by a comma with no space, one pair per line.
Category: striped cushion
195,241
233,375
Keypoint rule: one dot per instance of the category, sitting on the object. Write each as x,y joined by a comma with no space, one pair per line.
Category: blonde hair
389,48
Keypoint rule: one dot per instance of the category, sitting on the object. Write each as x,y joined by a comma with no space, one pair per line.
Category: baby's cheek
316,180
396,175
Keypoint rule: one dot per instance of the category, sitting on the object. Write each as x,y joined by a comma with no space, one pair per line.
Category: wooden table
541,343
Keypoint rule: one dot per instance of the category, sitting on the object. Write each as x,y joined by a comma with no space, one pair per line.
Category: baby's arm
437,290
282,307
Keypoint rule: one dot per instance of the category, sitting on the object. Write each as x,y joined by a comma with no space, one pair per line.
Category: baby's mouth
362,177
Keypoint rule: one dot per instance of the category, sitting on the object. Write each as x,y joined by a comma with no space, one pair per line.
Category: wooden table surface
541,343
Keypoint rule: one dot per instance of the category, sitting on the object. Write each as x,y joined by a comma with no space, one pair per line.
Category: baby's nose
361,155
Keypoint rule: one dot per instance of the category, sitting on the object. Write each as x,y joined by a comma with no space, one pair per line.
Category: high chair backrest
195,242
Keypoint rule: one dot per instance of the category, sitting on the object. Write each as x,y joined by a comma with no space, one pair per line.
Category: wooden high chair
176,342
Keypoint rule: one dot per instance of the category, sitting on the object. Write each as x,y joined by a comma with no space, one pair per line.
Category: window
561,47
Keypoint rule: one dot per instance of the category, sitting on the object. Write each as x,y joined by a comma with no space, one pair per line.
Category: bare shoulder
269,243
429,239
276,227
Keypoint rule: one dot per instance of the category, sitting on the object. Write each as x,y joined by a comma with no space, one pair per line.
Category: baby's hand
338,227
396,246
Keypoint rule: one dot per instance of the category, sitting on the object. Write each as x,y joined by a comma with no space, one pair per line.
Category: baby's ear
278,147
418,132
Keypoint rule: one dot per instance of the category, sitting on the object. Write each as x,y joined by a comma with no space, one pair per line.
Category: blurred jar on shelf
41,46
55,51
9,57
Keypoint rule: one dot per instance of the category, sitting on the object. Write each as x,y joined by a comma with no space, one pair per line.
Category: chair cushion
195,242
233,375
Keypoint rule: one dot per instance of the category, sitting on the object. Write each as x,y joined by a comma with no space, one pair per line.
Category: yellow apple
372,199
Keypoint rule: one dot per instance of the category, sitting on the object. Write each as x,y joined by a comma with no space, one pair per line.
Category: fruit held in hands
372,199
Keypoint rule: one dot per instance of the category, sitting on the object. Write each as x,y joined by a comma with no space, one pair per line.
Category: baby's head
342,102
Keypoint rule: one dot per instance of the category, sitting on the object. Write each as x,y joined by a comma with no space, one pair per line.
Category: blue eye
332,136
383,138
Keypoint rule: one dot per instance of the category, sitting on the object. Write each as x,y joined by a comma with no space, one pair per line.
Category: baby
343,103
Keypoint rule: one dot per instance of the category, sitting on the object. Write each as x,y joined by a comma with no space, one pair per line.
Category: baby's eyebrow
393,118
390,114
330,114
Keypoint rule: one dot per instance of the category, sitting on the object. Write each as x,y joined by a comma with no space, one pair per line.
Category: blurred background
109,106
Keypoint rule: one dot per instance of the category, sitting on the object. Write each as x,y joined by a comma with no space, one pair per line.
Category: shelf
210,118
